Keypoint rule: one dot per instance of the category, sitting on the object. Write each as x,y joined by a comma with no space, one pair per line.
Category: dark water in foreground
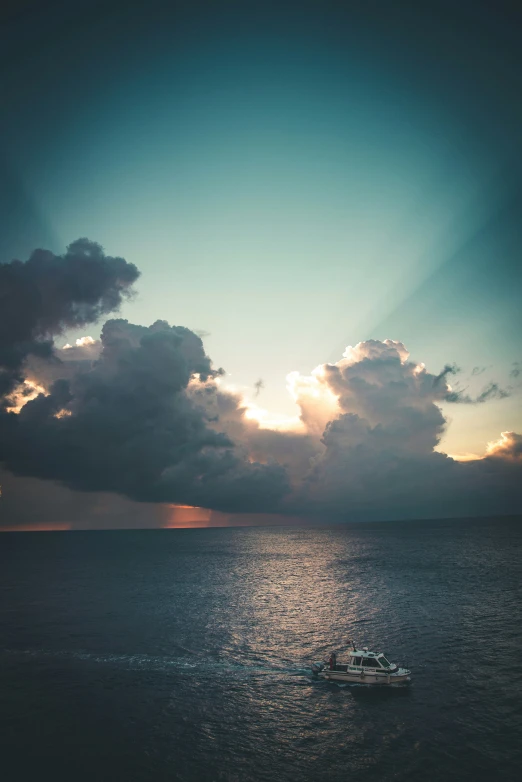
183,654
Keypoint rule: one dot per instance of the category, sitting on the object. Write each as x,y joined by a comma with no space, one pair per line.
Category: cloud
492,391
61,364
228,412
489,392
150,420
508,447
515,372
459,396
143,414
384,423
23,394
133,429
50,293
82,342
377,383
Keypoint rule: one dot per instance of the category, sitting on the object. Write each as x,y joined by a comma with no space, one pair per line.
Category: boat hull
355,677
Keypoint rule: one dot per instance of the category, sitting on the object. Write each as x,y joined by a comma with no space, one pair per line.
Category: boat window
370,662
356,660
385,662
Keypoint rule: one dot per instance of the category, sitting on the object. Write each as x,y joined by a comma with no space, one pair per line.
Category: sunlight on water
192,650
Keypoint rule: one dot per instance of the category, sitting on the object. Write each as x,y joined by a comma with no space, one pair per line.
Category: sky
289,179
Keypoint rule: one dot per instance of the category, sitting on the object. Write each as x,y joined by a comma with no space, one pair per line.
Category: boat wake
167,663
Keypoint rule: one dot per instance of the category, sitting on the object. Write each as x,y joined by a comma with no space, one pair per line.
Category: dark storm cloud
49,293
120,420
129,426
226,412
62,364
149,421
143,414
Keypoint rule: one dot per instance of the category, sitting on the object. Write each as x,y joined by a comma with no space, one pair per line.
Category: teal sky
288,188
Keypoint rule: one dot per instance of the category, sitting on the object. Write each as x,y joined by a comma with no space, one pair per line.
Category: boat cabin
364,659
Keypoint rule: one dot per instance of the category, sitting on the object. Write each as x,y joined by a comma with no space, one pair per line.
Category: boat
363,667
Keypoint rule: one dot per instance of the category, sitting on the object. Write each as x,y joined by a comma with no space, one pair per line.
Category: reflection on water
185,655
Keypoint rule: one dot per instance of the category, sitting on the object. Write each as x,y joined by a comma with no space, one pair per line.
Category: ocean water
184,654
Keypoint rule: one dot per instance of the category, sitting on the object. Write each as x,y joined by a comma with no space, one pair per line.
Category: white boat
363,667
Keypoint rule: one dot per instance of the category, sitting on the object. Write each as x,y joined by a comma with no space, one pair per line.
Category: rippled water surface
185,654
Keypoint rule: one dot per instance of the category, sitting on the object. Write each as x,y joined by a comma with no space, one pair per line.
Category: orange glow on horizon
57,526
192,517
183,516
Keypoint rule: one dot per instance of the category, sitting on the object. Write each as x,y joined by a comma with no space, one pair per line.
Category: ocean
184,655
